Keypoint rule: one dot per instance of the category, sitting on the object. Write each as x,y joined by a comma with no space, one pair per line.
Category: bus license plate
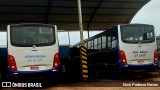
34,68
141,62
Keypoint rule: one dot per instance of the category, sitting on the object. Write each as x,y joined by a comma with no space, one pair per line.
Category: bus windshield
32,35
137,33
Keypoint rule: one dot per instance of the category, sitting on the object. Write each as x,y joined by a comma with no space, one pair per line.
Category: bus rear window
137,33
32,35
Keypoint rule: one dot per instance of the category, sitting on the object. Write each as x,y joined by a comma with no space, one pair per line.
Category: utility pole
69,38
83,51
80,22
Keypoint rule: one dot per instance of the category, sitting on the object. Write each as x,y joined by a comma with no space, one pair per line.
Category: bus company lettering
139,53
34,58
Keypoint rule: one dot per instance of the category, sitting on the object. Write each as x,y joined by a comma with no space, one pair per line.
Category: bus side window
104,42
92,44
99,43
95,43
109,42
85,44
114,39
89,44
113,42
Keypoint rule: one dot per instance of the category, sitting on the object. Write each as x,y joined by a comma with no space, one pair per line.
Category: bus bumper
139,67
48,72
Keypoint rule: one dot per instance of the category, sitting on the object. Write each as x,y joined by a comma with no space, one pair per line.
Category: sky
149,14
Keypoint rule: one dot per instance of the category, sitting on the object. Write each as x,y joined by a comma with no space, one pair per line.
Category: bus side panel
107,57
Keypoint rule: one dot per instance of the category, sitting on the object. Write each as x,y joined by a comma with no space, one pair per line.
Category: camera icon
6,84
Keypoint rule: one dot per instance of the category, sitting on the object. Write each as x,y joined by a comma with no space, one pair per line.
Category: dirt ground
104,88
107,83
98,85
93,88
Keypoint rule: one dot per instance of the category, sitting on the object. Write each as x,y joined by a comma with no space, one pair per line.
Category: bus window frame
140,41
30,45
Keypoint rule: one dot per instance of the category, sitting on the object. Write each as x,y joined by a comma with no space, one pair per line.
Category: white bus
138,46
32,49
